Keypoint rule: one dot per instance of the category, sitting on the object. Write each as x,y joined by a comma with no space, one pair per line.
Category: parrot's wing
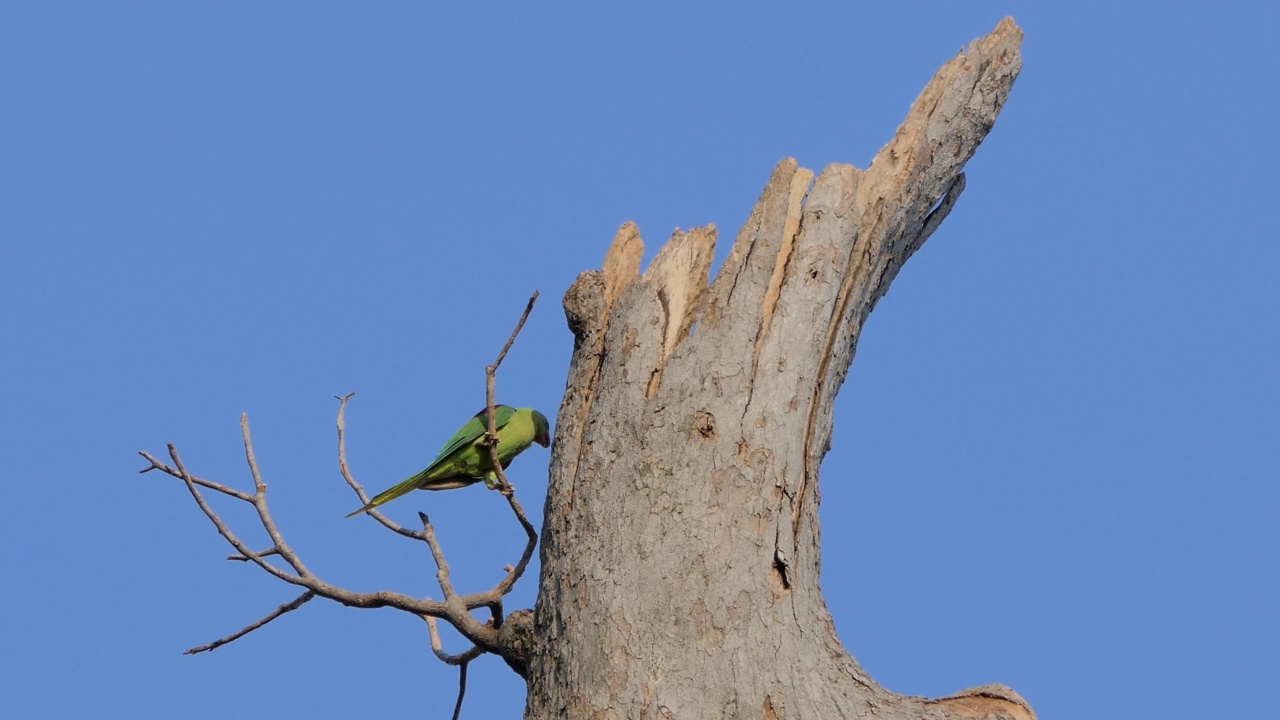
474,428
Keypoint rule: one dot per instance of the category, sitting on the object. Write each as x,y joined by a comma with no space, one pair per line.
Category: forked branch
456,609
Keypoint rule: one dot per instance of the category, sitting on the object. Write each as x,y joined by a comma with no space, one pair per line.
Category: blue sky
1054,462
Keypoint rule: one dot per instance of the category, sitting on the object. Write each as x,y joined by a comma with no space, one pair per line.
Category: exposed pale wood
622,262
986,701
678,276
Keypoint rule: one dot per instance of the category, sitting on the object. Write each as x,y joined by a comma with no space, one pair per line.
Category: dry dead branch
456,609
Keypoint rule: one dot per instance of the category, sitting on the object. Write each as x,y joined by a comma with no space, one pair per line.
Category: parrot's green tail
391,494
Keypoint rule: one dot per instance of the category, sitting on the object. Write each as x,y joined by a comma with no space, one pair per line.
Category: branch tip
290,606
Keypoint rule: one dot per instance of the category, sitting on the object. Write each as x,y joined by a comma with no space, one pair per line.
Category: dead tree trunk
680,550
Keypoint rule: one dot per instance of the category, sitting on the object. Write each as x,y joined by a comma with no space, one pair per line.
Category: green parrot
465,459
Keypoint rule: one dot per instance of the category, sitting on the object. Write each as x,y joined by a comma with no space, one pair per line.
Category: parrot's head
541,429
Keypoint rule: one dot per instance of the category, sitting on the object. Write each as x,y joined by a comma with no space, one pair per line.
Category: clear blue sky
1054,463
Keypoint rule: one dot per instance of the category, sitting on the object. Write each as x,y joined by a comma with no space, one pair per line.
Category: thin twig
264,553
490,373
528,308
157,465
260,504
514,574
287,607
442,567
459,613
462,689
346,475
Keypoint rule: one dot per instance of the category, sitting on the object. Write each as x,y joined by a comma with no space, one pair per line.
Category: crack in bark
655,375
801,182
809,471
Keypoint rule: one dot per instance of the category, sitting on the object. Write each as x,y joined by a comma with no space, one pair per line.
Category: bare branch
376,599
459,614
491,440
290,606
462,690
260,504
346,475
528,308
459,659
264,553
442,568
157,465
490,373
513,574
259,487
456,609
462,660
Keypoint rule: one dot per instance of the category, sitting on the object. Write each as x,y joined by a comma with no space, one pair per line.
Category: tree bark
680,551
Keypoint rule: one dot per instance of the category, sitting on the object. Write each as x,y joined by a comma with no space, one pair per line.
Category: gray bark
680,552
